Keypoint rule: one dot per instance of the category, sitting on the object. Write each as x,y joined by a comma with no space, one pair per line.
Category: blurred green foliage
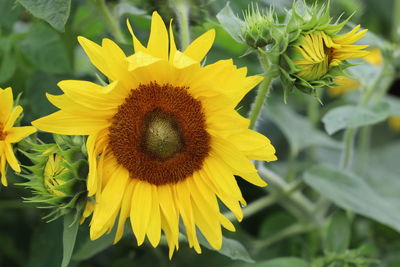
38,48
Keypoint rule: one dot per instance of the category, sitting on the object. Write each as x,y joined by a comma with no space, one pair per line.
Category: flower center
159,134
2,133
162,137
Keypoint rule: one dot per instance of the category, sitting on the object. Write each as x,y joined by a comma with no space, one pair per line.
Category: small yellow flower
165,140
10,134
345,84
394,123
319,52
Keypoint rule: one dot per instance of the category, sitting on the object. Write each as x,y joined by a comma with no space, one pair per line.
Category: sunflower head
165,141
317,52
9,134
58,175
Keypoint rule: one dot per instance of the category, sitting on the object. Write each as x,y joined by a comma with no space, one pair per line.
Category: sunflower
164,138
319,52
8,133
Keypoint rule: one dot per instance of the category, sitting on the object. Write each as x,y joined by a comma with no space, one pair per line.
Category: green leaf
354,193
297,129
55,12
44,48
337,238
46,245
8,18
8,62
354,116
69,237
230,22
89,248
394,103
282,262
230,248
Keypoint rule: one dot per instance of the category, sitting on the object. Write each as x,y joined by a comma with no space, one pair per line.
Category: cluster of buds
57,177
306,49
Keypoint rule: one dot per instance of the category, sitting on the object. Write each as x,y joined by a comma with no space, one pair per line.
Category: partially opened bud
57,177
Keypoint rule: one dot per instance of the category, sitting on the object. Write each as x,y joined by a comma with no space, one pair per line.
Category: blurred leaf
282,262
230,22
230,248
69,237
55,12
354,116
394,103
8,62
297,129
46,245
10,13
352,192
89,248
337,237
44,48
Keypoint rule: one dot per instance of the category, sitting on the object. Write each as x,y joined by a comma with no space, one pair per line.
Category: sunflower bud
316,53
57,177
258,27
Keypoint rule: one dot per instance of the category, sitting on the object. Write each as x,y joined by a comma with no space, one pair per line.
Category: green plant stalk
182,13
262,92
264,202
110,20
396,22
364,145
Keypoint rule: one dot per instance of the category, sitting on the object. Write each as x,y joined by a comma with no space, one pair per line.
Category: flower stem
110,20
182,13
396,22
262,92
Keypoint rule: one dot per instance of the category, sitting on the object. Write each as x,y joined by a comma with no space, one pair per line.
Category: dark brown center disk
159,134
2,134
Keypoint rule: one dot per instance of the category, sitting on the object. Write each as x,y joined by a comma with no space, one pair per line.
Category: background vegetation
317,211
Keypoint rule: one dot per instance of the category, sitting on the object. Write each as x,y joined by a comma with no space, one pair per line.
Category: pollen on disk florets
159,134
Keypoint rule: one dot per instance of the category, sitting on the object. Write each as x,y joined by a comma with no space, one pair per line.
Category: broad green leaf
297,129
354,193
46,245
354,116
11,15
281,262
89,248
394,103
230,22
55,12
69,237
44,48
337,237
230,248
8,62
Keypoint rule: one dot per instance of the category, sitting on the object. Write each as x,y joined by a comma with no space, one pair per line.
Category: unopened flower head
317,51
57,177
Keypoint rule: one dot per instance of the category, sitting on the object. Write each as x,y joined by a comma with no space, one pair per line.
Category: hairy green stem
110,20
181,8
396,22
262,92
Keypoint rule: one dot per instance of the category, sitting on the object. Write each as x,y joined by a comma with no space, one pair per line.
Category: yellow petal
109,203
154,227
125,210
62,122
137,45
141,210
3,165
6,103
158,41
172,45
16,134
11,159
13,117
199,48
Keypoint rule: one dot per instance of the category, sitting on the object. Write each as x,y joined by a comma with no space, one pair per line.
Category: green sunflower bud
57,177
316,53
258,27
